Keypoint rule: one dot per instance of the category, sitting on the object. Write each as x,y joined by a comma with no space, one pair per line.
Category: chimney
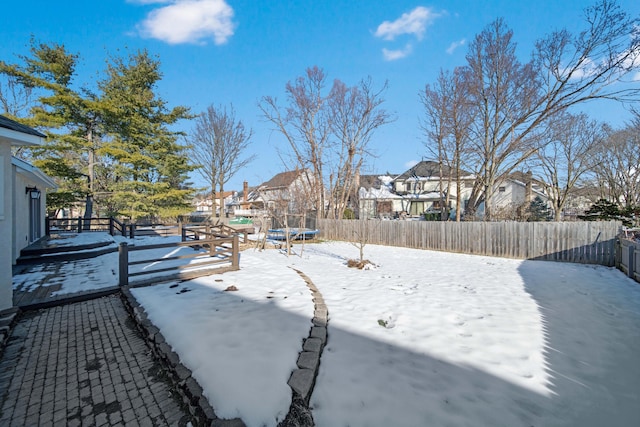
245,191
528,194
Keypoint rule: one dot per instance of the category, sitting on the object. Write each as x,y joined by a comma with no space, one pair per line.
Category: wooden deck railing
210,256
198,232
115,227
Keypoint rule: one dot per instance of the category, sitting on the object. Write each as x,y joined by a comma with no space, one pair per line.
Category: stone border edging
8,319
303,379
181,376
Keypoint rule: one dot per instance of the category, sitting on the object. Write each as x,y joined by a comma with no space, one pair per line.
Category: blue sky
237,51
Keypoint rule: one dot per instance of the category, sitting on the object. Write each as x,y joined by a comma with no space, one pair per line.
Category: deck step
65,253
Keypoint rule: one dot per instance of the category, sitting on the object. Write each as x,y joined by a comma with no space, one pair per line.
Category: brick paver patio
83,364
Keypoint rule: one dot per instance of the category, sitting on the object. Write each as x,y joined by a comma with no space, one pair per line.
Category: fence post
123,264
79,224
631,269
132,231
183,233
235,262
212,247
111,226
47,226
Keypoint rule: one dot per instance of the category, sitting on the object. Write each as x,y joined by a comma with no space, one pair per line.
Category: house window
407,186
416,208
502,189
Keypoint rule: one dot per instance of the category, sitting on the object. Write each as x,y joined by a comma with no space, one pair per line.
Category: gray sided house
22,201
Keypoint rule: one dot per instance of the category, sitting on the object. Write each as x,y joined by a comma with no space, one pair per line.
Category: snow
423,338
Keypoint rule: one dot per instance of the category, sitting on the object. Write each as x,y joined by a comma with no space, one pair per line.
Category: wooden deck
41,272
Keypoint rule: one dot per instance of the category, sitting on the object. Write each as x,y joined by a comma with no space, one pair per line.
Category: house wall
21,201
6,287
513,195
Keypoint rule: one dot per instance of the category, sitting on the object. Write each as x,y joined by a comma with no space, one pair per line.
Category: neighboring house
423,191
376,198
513,195
414,192
420,190
204,204
579,201
15,199
285,192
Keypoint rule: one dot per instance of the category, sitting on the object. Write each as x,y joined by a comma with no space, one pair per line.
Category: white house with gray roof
22,201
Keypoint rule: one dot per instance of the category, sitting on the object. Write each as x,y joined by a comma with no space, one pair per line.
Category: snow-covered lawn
425,338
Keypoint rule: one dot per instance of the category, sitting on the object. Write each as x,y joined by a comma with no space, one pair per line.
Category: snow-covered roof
383,191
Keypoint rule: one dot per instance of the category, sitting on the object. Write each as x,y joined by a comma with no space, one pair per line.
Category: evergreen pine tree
538,210
150,166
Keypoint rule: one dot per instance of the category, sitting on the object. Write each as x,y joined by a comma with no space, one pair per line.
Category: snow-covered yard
423,339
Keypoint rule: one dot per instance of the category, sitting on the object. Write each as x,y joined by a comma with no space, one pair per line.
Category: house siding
21,220
6,220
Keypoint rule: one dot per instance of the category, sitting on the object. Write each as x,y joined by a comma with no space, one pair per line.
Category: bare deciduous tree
566,158
328,133
616,164
448,115
304,125
504,91
15,98
218,142
514,99
355,113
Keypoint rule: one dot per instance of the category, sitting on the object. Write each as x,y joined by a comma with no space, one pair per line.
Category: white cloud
414,22
392,55
189,21
453,46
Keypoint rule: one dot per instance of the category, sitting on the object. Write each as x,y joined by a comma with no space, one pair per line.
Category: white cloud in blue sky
412,23
188,21
455,45
392,55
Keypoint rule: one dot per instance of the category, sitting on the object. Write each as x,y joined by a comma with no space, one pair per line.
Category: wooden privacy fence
629,259
580,242
177,261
